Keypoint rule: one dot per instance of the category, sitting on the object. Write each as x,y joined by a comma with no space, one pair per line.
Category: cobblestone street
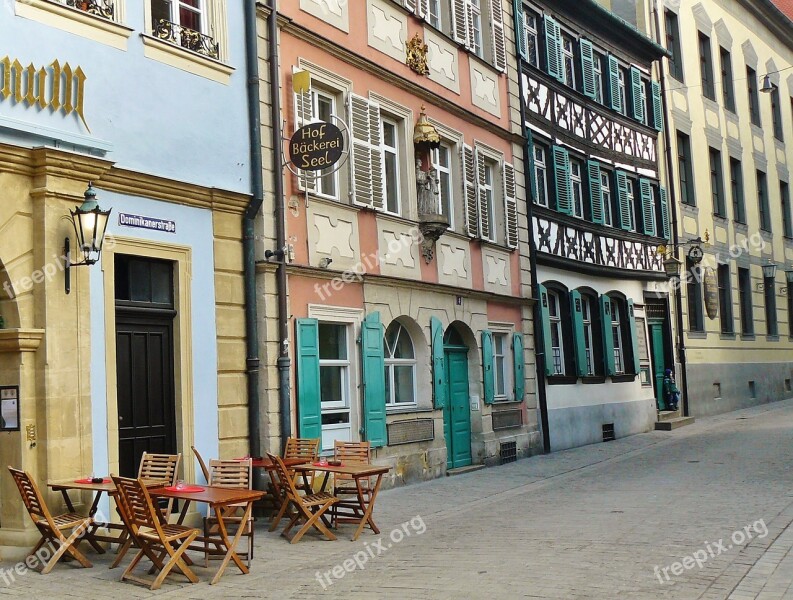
593,522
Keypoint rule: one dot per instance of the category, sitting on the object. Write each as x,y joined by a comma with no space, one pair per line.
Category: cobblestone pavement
701,512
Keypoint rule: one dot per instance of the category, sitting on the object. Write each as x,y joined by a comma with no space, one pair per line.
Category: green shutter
615,100
439,388
595,191
636,94
634,337
308,386
664,213
520,42
488,377
588,68
373,358
648,206
518,358
561,173
623,201
658,107
608,335
532,172
553,49
579,342
545,323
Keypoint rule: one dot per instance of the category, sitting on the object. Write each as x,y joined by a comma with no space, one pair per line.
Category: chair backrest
354,453
135,506
307,448
234,474
159,467
287,482
31,496
201,463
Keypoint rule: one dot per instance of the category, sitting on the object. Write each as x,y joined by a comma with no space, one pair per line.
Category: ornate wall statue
431,222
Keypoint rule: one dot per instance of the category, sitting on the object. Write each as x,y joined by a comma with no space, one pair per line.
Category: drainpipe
678,296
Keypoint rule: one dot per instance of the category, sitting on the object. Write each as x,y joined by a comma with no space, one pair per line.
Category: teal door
457,415
657,347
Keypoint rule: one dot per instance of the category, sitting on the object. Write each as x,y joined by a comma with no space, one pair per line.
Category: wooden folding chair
303,448
310,507
151,533
233,474
51,528
201,463
350,453
307,448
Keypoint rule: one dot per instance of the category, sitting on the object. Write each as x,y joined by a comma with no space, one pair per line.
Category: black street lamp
90,223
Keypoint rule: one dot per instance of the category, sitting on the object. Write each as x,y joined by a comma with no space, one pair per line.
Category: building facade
729,94
592,114
145,351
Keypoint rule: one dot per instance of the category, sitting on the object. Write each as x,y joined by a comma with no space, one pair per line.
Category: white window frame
605,186
177,5
541,167
491,168
616,333
586,316
568,59
435,14
390,363
345,364
454,139
448,170
505,375
477,39
577,187
531,38
395,152
631,194
623,93
597,65
316,94
554,302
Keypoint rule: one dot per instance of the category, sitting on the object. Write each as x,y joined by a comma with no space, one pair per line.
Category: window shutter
499,39
423,8
518,364
636,94
510,206
579,344
545,322
488,378
664,213
561,172
308,385
470,191
410,5
648,207
460,22
366,160
520,36
634,337
623,200
530,150
588,68
608,335
658,107
595,191
306,180
484,213
438,363
553,50
373,359
614,83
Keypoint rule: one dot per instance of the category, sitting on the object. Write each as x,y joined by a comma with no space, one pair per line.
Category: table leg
69,505
231,545
367,515
89,532
183,514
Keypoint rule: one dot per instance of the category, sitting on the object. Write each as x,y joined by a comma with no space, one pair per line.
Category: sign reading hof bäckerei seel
128,220
316,146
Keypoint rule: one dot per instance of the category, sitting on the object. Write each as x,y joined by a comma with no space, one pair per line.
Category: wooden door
457,414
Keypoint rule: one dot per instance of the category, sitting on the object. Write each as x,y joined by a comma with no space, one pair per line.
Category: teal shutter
532,172
636,94
561,173
519,359
608,335
545,323
623,200
373,358
579,343
634,337
588,68
664,213
438,363
615,100
595,191
658,107
520,41
648,206
488,377
553,49
309,417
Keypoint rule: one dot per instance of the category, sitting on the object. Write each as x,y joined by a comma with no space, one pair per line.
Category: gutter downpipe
678,297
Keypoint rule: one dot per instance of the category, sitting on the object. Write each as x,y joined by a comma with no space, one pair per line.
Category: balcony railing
187,38
99,8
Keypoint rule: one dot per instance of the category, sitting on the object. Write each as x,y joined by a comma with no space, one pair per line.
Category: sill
780,142
697,335
75,21
625,378
561,379
741,226
720,217
186,60
772,338
593,379
401,410
728,336
747,337
505,402
690,208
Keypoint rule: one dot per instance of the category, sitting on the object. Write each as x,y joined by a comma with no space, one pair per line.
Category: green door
657,346
456,414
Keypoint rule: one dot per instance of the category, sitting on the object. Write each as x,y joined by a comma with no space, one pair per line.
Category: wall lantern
672,266
768,85
90,223
769,271
788,289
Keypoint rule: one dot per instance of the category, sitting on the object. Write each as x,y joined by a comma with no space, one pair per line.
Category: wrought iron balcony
187,38
100,8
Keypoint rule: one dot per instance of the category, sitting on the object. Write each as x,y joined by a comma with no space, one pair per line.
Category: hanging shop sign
316,146
128,220
711,289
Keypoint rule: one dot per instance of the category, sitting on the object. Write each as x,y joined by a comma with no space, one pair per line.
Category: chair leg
315,521
279,516
66,545
174,561
122,551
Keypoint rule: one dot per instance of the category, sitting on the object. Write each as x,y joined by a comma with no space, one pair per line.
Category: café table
105,487
217,498
359,473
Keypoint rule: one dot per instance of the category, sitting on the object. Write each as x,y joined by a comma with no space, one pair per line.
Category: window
706,67
390,150
540,175
475,24
400,367
623,97
631,205
530,38
776,113
745,297
501,373
616,332
586,313
725,299
736,187
762,201
557,347
434,14
486,188
184,23
568,59
787,218
790,309
769,291
673,45
441,162
754,100
684,169
578,190
334,366
727,86
696,318
717,183
605,187
322,108
597,67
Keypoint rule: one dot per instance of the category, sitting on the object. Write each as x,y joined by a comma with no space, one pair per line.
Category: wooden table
358,473
217,498
91,536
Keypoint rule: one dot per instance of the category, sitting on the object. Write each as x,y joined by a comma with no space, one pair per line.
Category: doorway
457,414
659,363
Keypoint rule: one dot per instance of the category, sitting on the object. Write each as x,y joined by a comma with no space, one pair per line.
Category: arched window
400,366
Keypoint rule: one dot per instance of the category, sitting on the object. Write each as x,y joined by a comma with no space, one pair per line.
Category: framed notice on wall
9,408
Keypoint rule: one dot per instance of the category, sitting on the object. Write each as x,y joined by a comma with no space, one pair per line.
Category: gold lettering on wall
59,88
